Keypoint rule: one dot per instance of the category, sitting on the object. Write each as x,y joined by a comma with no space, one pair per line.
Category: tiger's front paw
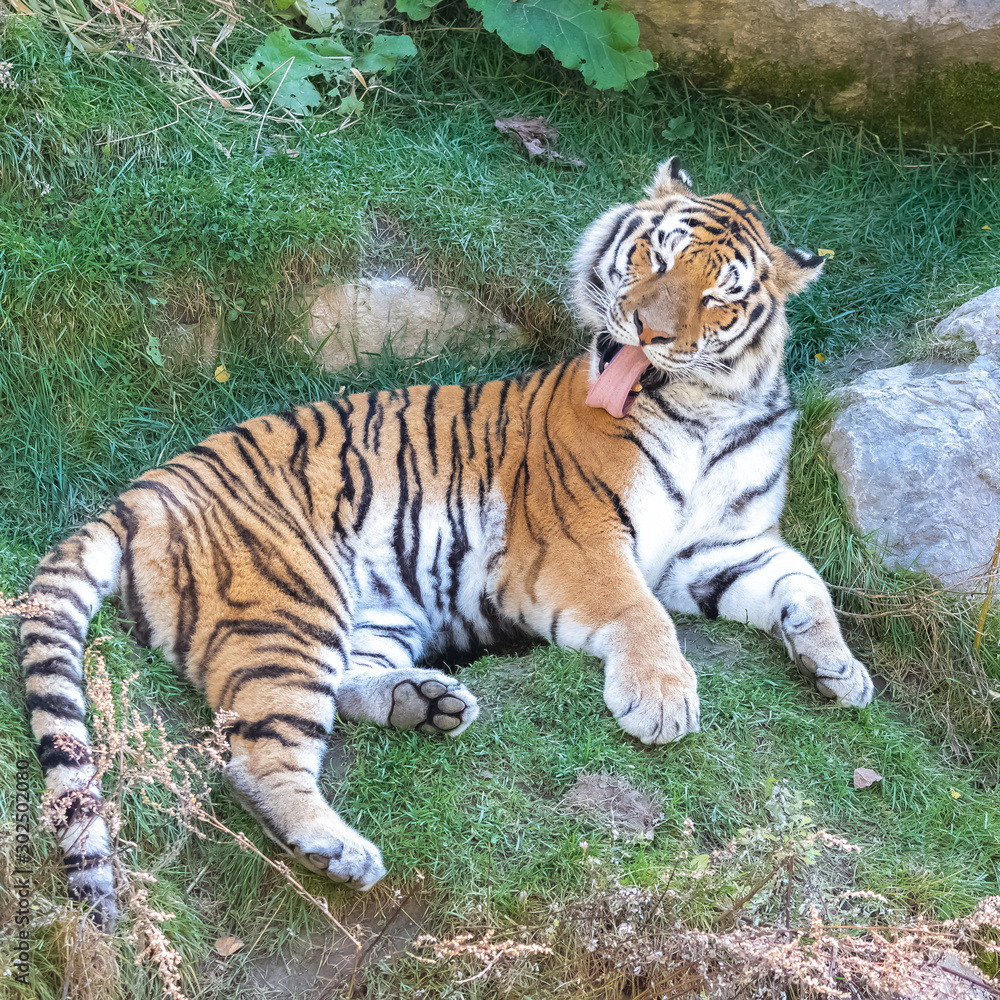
656,705
813,640
840,677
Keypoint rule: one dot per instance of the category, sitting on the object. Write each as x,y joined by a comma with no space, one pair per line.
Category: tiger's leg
286,708
382,685
767,583
649,686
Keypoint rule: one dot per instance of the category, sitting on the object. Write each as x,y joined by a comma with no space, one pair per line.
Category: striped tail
70,583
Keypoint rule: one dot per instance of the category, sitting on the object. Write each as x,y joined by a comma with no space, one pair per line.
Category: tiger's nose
647,334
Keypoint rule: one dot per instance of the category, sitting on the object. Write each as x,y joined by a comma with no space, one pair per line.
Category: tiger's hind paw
342,855
432,702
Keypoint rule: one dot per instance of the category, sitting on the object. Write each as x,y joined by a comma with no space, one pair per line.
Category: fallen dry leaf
221,375
538,136
228,945
865,776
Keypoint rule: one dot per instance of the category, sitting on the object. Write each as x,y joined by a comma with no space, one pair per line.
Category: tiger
310,563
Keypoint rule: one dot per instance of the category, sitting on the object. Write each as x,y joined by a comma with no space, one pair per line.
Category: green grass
481,818
176,219
136,232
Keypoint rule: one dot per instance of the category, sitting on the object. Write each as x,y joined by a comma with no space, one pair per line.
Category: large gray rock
917,449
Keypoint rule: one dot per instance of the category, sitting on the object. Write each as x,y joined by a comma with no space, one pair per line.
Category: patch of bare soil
848,365
321,964
705,652
951,978
611,801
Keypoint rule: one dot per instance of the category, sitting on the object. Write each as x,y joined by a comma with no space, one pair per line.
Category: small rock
978,321
950,978
184,342
348,321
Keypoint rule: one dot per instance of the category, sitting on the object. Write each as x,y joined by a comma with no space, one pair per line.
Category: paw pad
432,706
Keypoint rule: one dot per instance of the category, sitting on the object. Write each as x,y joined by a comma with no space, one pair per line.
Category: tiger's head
682,288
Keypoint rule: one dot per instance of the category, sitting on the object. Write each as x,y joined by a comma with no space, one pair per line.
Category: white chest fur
712,478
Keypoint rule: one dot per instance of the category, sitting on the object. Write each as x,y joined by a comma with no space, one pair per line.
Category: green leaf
153,349
384,51
417,10
601,41
284,65
320,15
350,105
678,128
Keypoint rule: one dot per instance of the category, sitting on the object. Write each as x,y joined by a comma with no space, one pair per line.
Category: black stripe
468,402
784,576
369,416
746,435
430,415
238,491
60,594
326,637
665,478
54,666
245,675
320,423
707,593
70,752
408,511
55,704
765,325
594,278
45,640
184,586
243,433
619,507
298,462
455,512
77,572
59,621
265,728
308,658
141,629
377,657
753,492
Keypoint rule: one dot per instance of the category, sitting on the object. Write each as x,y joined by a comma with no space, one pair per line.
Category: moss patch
956,105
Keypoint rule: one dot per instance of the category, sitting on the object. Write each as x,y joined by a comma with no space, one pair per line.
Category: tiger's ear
795,269
669,179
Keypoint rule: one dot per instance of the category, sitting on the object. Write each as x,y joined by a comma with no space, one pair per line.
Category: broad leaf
284,65
417,10
153,349
384,51
350,105
601,41
320,15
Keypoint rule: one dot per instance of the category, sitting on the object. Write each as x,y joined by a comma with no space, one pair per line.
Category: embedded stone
917,450
347,322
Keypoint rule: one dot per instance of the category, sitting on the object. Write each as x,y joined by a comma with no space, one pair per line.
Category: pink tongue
611,390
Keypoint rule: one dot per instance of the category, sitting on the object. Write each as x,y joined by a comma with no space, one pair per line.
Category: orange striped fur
305,564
